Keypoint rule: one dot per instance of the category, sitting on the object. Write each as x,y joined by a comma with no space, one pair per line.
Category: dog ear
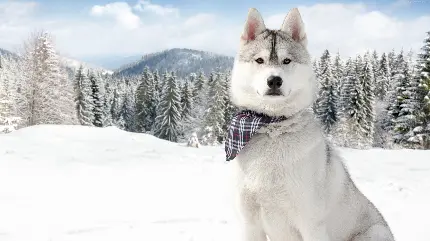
293,24
254,25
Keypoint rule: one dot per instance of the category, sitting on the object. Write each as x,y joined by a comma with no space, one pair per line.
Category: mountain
182,61
111,61
73,65
4,52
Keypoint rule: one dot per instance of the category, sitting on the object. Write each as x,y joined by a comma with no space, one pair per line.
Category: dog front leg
252,229
315,232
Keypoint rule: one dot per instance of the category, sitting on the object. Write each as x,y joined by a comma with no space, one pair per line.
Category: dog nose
274,82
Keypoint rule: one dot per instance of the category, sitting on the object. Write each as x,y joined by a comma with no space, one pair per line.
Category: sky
84,29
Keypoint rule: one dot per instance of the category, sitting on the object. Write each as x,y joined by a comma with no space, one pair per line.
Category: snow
99,184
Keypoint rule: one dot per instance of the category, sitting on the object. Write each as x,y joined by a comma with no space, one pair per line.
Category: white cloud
147,6
121,11
353,29
349,28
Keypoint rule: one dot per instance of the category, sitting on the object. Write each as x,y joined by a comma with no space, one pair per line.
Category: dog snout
274,82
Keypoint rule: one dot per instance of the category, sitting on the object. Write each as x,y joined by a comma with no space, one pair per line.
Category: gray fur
291,183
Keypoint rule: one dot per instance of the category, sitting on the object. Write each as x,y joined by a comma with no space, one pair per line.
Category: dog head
272,73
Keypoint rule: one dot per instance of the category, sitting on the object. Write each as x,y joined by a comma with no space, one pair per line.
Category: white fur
291,184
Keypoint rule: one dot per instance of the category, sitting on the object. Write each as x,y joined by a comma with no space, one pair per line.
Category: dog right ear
254,26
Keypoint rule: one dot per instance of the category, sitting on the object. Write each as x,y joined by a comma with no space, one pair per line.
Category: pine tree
383,78
83,99
422,130
200,83
169,111
405,105
367,82
127,114
109,94
98,98
327,96
350,131
215,115
338,72
146,102
50,98
187,100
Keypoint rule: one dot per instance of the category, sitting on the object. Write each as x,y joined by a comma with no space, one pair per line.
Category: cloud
349,28
147,6
353,29
121,11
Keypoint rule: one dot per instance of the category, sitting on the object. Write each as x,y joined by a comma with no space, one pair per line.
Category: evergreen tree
338,72
83,99
127,113
146,102
383,78
187,100
215,115
405,105
168,120
367,82
98,99
350,131
200,83
422,130
327,95
50,98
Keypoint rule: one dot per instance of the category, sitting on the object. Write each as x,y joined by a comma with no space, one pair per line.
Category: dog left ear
293,24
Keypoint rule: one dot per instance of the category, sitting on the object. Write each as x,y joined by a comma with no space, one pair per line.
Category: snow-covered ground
91,184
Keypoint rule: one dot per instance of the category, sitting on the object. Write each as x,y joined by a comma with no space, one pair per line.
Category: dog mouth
272,92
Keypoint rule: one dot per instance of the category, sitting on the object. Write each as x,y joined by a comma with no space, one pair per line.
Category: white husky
292,186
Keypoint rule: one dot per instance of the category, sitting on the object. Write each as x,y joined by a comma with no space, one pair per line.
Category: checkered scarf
243,126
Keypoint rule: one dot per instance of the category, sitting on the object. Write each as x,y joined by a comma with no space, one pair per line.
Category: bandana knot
243,126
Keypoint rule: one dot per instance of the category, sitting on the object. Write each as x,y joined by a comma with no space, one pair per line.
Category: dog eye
286,61
259,60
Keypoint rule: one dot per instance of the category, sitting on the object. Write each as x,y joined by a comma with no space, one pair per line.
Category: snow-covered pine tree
50,97
128,110
367,82
422,130
392,64
83,98
187,100
350,131
157,85
200,83
326,108
200,105
108,100
118,102
168,121
215,116
383,78
230,108
406,90
97,96
146,102
338,75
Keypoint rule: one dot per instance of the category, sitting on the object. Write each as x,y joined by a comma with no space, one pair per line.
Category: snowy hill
73,65
4,52
182,61
93,184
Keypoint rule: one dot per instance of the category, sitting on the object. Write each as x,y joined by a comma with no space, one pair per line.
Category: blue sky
97,28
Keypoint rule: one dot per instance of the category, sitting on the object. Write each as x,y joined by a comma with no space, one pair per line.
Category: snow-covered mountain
81,183
4,52
74,64
182,61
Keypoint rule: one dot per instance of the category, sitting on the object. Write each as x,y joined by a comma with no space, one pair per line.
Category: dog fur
291,183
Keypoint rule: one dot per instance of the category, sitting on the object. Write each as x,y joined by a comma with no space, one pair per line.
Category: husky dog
291,183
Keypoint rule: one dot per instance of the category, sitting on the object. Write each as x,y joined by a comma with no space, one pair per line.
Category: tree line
370,100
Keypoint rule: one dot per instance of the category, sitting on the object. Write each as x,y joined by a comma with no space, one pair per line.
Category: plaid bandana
243,126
